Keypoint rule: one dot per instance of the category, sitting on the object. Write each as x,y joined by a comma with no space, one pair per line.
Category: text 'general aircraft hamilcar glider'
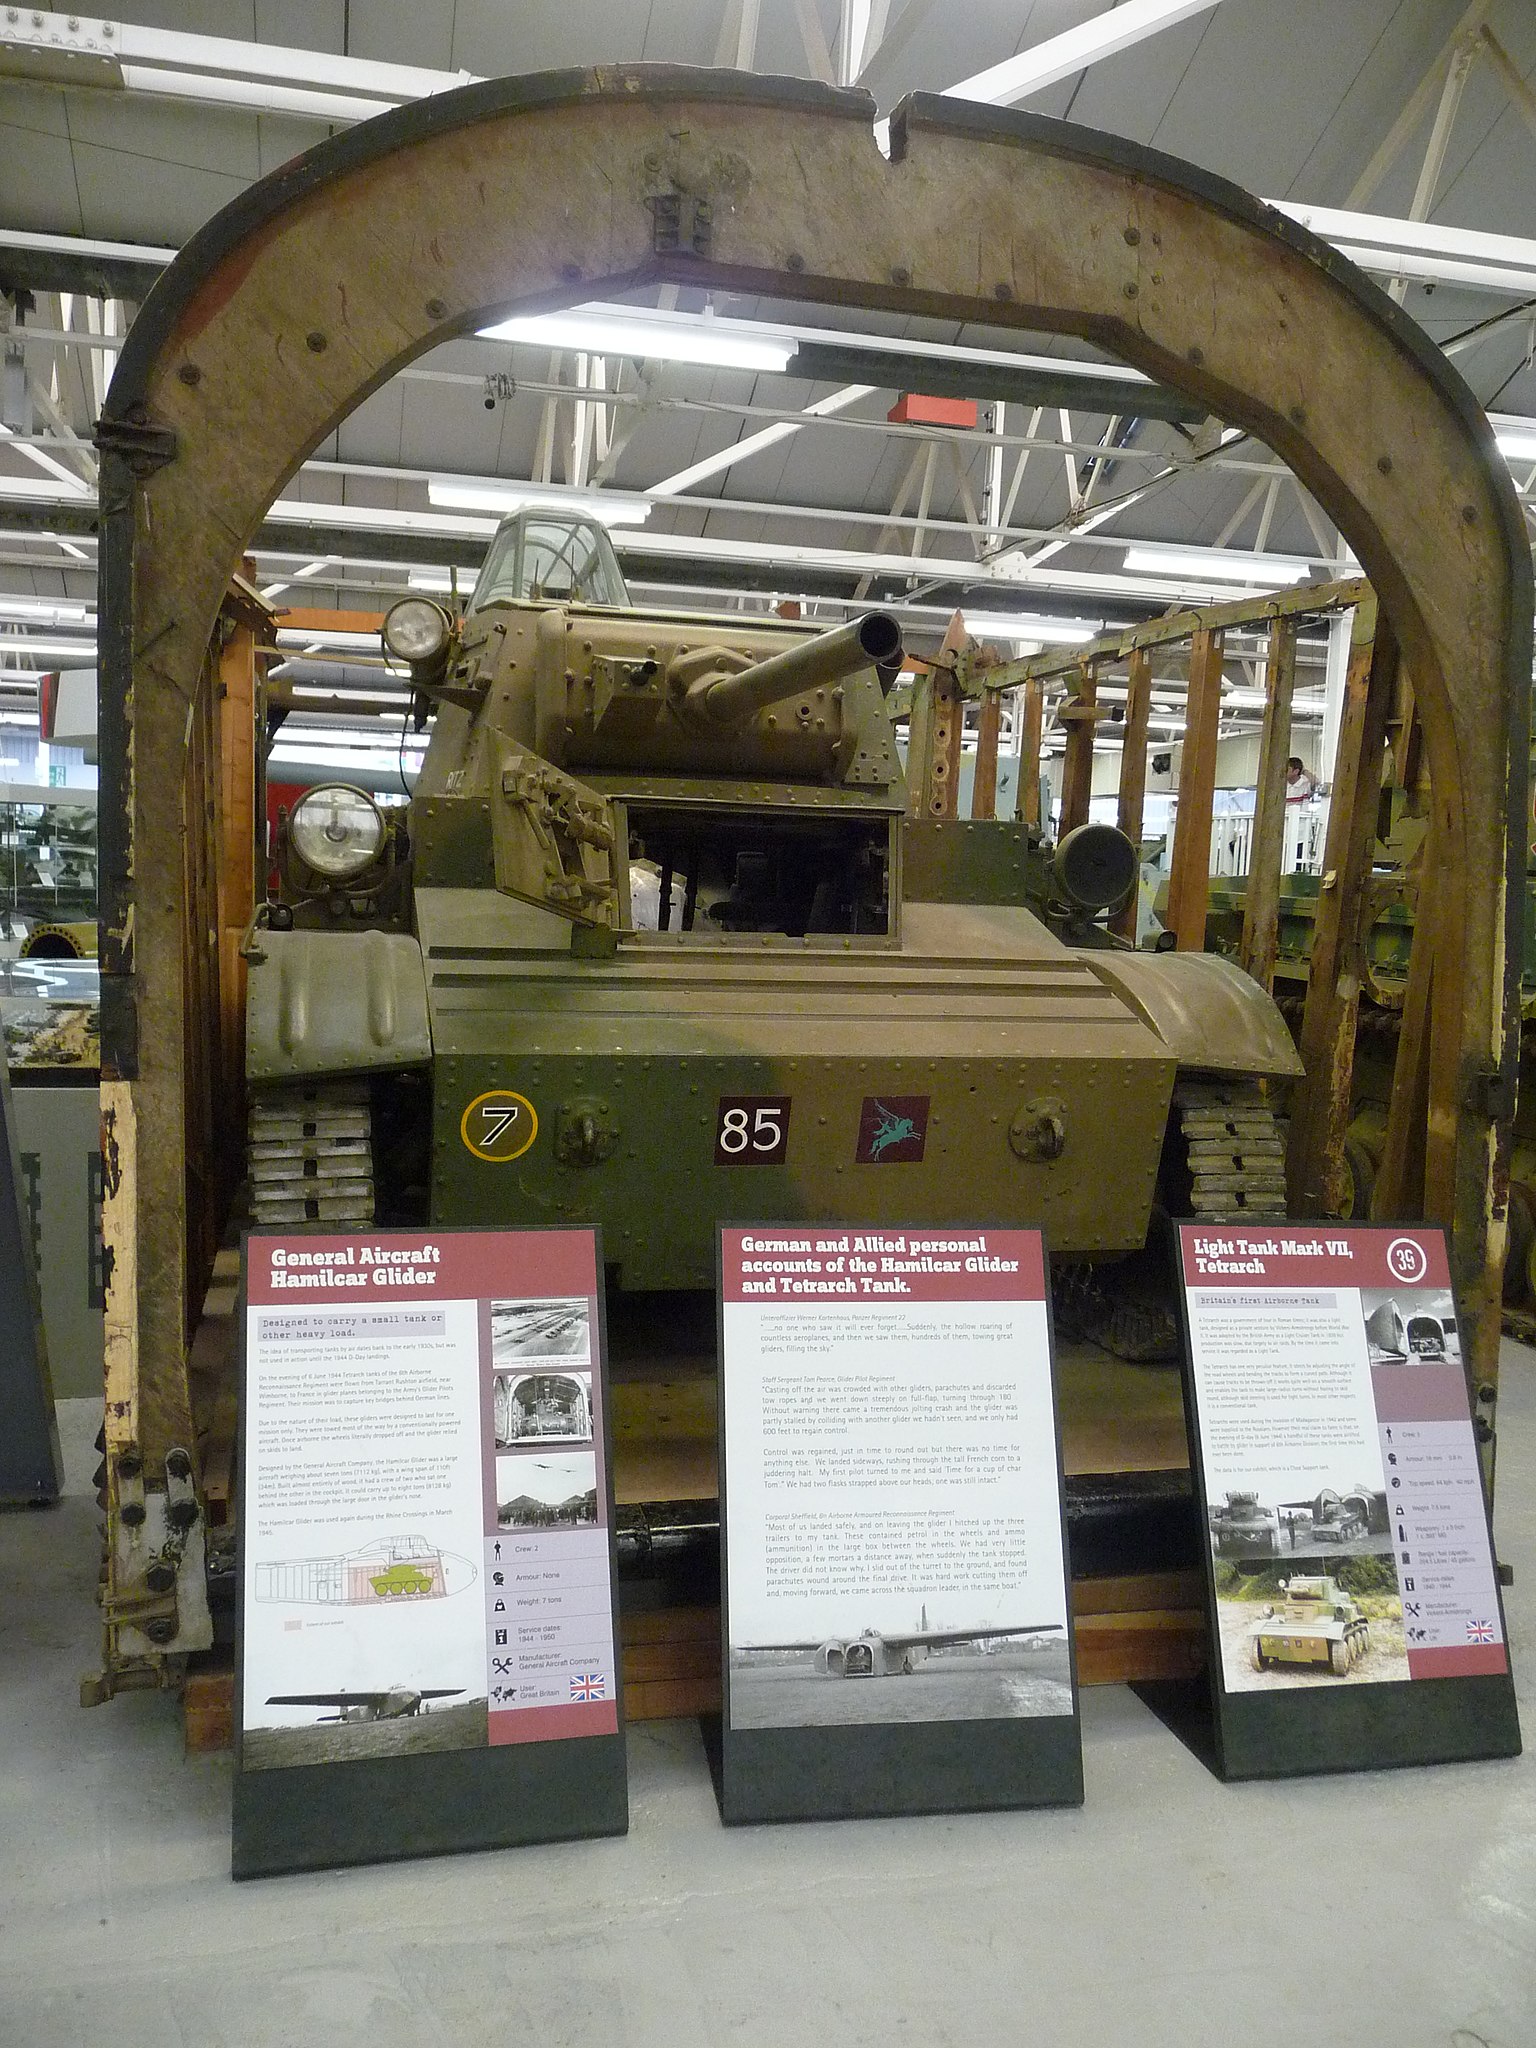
400,1703
875,1654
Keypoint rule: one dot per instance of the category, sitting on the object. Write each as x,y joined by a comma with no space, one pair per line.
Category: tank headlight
416,631
336,830
1095,867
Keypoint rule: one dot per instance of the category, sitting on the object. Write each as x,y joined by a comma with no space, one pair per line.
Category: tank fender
1213,1017
335,1003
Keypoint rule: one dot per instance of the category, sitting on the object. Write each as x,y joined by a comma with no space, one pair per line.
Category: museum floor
1171,1912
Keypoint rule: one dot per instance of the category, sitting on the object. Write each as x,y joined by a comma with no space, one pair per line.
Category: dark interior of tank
757,872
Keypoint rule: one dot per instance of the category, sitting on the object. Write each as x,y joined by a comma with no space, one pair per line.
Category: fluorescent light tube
1028,626
81,652
1226,565
1517,447
611,507
54,610
651,336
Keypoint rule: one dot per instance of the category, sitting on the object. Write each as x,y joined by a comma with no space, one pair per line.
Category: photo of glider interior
983,1673
540,1329
530,1406
393,1570
1411,1326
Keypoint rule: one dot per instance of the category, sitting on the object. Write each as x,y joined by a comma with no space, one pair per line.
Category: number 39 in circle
752,1130
1406,1259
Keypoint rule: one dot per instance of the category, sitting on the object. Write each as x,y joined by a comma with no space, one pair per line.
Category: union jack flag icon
1480,1632
591,1685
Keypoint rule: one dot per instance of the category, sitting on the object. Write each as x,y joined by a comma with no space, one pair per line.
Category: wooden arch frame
316,285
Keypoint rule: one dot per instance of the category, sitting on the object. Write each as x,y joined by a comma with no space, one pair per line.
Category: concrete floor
1171,1912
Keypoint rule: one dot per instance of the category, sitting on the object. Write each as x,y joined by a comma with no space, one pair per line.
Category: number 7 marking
499,1120
499,1126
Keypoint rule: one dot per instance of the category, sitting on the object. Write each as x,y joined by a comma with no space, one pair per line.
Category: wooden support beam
984,784
1320,1110
1189,879
309,619
1261,904
1032,720
1080,715
1304,600
934,731
1133,774
1400,1178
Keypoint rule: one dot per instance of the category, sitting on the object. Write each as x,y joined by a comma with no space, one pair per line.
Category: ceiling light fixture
1226,565
613,508
654,337
1028,626
54,611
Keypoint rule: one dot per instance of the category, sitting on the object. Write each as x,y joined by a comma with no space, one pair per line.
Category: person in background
1299,785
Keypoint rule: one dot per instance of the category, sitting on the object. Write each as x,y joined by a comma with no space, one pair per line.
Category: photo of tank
1325,1623
540,1329
1315,1624
1411,1326
530,1407
1344,1520
1243,1527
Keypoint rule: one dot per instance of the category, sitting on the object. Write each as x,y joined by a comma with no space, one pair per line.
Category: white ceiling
1290,101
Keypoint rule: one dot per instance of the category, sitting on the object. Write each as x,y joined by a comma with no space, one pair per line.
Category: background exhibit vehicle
877,1653
835,985
1316,1623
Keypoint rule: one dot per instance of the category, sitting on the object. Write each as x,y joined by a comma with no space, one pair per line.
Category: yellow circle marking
505,1125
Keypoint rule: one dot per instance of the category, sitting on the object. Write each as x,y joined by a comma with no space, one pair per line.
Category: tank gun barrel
871,641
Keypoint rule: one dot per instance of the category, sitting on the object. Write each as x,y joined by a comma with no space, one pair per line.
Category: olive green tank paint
823,956
972,861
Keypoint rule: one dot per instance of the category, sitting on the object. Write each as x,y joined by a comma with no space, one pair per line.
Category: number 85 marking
499,1126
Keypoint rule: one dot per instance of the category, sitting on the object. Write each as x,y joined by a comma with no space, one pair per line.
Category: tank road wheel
1256,1656
1519,1263
1340,1658
1234,1155
311,1155
1359,1183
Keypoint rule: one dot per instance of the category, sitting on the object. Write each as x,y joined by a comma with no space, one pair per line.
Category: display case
50,1017
47,871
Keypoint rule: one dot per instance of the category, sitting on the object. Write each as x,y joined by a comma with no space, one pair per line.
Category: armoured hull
1036,1092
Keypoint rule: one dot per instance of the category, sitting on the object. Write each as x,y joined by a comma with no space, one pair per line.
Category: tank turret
659,886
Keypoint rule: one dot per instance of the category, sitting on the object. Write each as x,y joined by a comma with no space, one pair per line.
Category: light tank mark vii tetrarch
663,946
1313,1623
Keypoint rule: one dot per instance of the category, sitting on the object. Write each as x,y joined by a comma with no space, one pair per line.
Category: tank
658,944
1338,1519
1243,1527
1313,1623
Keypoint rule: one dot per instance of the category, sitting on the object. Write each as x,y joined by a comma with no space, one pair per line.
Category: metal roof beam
1116,29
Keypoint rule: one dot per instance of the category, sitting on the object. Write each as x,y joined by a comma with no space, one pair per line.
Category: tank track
1235,1152
311,1155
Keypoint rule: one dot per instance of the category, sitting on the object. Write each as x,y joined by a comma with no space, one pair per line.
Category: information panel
1354,1598
897,1636
427,1616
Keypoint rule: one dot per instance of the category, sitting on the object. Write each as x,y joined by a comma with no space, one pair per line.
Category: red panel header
402,1267
1287,1254
810,1263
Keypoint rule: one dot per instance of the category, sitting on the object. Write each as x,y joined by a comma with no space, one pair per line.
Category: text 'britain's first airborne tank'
664,947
